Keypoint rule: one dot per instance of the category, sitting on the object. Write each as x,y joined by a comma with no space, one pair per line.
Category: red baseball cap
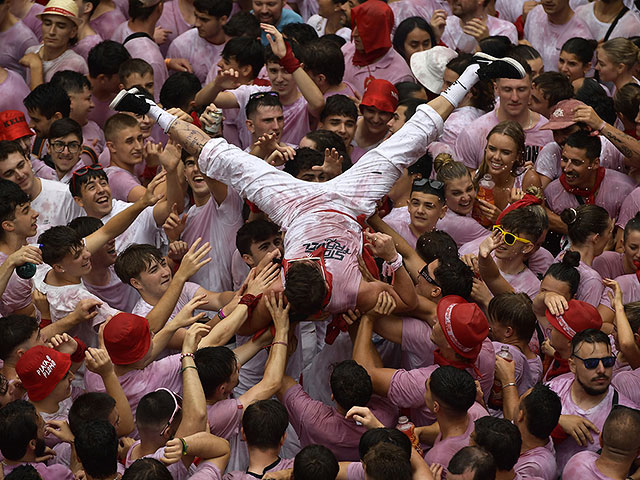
579,316
562,115
40,369
463,324
380,94
13,125
127,338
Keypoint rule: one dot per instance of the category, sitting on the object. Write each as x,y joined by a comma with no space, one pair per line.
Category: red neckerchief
374,20
559,366
590,194
442,361
637,265
525,201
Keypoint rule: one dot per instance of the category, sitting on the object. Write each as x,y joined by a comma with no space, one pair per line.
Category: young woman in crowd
618,60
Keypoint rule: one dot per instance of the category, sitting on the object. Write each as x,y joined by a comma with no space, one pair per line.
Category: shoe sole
121,94
511,61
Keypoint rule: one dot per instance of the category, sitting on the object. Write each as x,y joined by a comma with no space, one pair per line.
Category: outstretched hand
275,39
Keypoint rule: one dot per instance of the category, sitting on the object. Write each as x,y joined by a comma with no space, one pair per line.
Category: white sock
162,118
458,89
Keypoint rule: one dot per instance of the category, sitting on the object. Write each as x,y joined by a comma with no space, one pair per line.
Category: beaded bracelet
185,355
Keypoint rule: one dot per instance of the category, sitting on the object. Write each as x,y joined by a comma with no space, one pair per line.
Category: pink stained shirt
472,141
457,122
509,10
106,23
400,220
547,38
538,462
69,60
627,26
116,293
33,22
443,450
51,472
93,137
525,378
283,464
55,205
614,189
172,19
121,182
217,224
137,383
630,206
596,415
84,46
627,382
630,287
63,300
548,162
590,288
317,423
417,347
462,228
200,53
148,50
454,38
225,417
121,32
17,294
391,66
403,9
538,262
583,466
407,388
177,470
143,229
101,111
206,471
609,264
15,41
12,91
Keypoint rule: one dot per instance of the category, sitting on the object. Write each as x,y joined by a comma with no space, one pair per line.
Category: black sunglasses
259,95
424,273
592,363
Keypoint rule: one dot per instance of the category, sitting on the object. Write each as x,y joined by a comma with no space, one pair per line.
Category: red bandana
525,201
590,194
637,265
374,20
440,360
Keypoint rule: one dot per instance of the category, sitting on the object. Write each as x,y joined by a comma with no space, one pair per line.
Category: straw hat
64,8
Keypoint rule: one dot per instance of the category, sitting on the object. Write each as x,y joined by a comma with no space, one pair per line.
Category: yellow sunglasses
508,237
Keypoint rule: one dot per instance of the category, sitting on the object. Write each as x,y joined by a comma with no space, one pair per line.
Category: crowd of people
320,240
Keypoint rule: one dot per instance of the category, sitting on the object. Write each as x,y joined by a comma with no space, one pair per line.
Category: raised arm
97,361
365,353
626,336
307,87
170,161
215,91
489,271
277,360
192,261
412,261
119,223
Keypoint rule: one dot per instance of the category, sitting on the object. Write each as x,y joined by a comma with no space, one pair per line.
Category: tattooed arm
189,136
628,146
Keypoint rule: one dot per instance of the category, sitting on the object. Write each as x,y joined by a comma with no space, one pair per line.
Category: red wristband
78,355
289,62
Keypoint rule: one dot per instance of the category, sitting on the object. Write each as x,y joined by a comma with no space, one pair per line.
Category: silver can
216,123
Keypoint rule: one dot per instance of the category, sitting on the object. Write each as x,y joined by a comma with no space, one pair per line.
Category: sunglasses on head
259,95
83,171
424,273
592,363
435,184
508,237
177,399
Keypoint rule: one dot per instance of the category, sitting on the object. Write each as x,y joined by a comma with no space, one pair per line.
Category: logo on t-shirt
334,250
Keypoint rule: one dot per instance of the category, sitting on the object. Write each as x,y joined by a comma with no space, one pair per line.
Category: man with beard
22,441
583,180
586,394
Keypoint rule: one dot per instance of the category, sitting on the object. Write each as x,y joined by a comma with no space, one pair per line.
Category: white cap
428,66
